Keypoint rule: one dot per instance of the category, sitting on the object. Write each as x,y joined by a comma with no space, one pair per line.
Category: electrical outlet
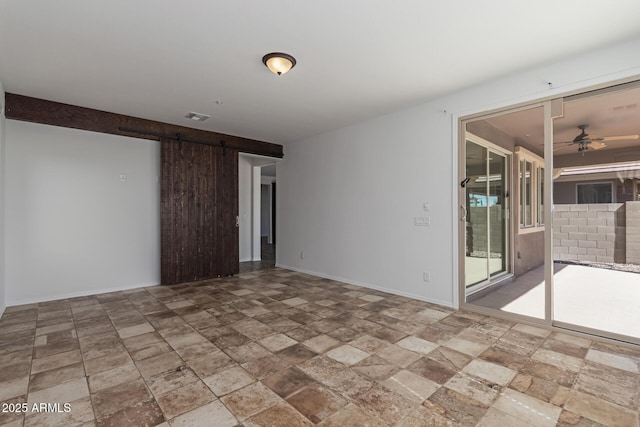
426,276
426,206
301,255
123,177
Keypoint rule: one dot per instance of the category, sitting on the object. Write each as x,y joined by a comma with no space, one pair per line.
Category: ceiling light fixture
278,62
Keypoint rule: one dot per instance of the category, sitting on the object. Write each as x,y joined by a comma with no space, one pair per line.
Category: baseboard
447,304
77,294
2,310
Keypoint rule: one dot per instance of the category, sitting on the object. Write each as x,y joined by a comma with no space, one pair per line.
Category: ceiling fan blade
557,145
596,145
620,138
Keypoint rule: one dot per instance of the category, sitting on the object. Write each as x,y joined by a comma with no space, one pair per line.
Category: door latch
237,221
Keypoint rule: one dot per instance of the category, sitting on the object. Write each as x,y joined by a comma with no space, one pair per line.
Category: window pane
599,192
541,196
522,204
525,197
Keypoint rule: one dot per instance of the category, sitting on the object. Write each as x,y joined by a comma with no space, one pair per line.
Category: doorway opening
257,207
503,206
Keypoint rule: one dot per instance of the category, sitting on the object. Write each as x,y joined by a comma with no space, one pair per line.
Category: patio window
526,181
540,176
531,190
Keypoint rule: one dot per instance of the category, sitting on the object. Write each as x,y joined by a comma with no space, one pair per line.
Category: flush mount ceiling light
278,62
197,117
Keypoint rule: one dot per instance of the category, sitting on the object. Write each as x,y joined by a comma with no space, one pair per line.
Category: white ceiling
356,59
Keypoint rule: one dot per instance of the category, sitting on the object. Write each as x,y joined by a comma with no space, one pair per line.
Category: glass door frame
549,275
506,225
550,108
553,108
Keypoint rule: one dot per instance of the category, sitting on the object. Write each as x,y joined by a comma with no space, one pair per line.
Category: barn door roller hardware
175,137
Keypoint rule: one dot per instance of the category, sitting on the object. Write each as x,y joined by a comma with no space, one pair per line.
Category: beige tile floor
279,348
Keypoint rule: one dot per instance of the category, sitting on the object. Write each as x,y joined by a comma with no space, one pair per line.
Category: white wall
256,250
266,205
245,180
348,198
2,209
72,226
265,210
249,204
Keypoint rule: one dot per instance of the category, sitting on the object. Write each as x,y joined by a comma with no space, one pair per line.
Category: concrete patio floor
596,298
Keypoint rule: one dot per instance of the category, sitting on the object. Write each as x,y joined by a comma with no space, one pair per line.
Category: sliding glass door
503,206
596,217
550,213
485,183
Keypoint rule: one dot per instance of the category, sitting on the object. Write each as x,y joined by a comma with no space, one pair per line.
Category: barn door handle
237,221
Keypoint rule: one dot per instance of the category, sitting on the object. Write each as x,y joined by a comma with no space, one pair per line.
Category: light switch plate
422,221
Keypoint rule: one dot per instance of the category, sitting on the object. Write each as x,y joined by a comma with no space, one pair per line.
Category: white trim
530,229
601,168
488,283
2,309
487,144
548,213
537,162
507,155
526,154
456,295
369,286
78,294
256,245
588,178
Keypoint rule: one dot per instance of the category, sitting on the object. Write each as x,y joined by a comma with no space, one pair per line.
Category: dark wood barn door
199,210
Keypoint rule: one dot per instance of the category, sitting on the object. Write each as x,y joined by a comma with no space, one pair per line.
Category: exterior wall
529,252
590,232
633,232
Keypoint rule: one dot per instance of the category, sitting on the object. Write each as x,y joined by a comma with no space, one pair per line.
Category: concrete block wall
633,232
590,232
478,220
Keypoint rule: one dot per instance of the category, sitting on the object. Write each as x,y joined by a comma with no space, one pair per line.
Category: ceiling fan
585,142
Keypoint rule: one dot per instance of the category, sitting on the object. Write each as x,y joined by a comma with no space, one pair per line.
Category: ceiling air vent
197,117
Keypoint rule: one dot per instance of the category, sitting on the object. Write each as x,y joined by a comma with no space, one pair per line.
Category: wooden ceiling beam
35,110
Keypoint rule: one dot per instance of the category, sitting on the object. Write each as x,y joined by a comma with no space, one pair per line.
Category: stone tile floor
278,348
